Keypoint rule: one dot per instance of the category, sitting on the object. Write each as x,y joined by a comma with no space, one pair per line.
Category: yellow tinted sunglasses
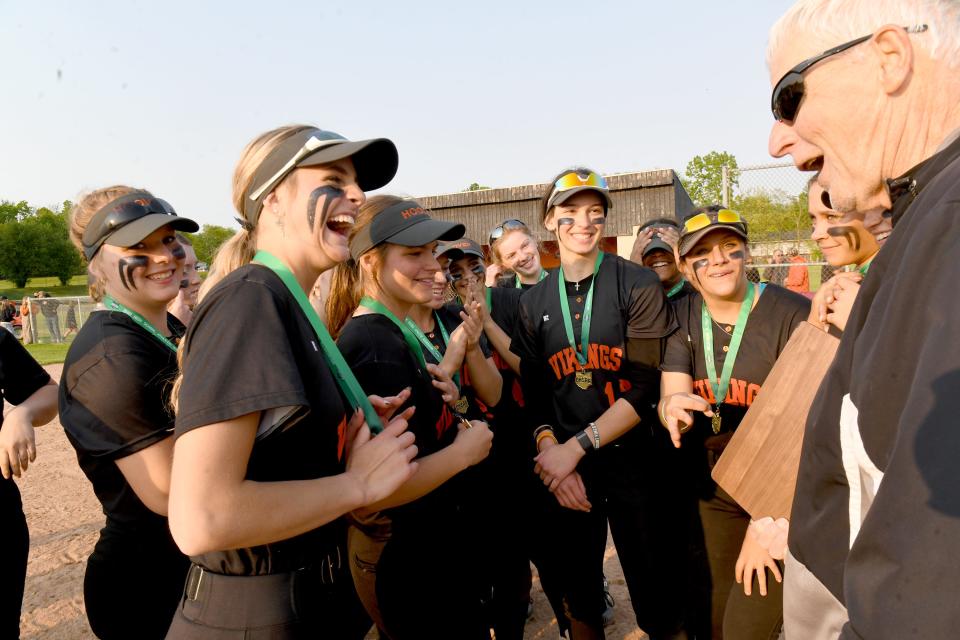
703,220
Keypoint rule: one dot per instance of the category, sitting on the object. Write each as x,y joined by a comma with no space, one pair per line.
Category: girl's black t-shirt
513,445
771,323
379,357
20,378
628,305
251,349
114,402
20,375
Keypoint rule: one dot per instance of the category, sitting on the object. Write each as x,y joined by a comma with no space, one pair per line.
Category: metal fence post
725,186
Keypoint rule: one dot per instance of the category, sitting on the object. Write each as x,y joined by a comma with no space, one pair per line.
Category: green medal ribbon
446,342
425,341
543,274
408,336
864,268
676,288
113,305
721,386
489,301
587,313
347,382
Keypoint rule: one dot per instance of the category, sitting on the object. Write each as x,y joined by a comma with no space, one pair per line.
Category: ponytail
346,289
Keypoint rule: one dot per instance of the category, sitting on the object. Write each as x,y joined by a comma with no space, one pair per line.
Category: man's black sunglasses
788,92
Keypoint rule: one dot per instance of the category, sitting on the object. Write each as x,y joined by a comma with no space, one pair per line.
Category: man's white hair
838,21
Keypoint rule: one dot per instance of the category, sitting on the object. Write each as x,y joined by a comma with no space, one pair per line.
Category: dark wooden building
637,197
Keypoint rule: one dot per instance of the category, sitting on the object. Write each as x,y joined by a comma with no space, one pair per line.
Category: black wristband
585,441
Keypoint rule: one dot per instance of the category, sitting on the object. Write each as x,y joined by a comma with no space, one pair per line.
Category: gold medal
584,379
462,405
715,422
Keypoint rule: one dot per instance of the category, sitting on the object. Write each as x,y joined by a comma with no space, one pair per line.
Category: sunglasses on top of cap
573,179
705,219
788,92
118,214
507,225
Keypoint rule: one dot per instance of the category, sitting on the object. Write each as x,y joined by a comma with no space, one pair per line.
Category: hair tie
245,224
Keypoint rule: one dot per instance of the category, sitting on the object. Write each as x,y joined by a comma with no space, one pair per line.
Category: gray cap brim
687,242
375,160
563,196
655,245
133,232
426,231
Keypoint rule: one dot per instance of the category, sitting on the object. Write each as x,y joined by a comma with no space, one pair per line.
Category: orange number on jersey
608,389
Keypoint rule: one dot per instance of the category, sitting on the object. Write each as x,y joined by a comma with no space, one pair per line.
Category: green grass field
48,353
77,287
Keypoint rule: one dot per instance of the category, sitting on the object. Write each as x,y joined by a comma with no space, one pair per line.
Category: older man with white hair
868,93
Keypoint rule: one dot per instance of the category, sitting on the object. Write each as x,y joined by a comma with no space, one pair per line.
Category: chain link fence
53,320
773,199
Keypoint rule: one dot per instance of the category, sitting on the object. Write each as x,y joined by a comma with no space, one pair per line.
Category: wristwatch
584,441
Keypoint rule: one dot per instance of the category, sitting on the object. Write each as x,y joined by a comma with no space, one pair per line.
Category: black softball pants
15,542
736,616
636,485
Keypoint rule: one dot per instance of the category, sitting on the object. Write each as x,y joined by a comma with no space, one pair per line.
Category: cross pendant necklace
576,286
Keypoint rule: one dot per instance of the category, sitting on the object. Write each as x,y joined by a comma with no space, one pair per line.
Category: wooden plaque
759,465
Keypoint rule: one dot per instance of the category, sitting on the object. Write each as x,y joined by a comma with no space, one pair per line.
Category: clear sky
165,95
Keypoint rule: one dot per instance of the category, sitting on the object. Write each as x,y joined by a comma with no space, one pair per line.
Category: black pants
132,584
428,582
297,605
635,485
15,542
504,522
736,616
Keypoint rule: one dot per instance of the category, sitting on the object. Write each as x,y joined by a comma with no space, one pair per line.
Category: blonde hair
495,245
842,20
81,213
242,246
348,282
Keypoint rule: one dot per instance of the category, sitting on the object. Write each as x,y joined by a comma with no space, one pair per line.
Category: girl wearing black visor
114,394
731,333
273,431
405,555
590,339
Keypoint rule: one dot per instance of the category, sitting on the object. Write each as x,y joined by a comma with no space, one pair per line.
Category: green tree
208,240
774,215
36,243
476,186
704,177
14,211
19,255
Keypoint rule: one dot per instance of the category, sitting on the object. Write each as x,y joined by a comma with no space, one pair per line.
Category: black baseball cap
375,161
460,248
656,244
125,221
405,223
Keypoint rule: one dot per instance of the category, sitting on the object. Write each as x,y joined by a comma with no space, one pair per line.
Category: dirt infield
64,518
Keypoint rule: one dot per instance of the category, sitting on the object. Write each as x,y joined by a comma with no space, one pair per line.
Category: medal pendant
462,405
583,379
715,422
